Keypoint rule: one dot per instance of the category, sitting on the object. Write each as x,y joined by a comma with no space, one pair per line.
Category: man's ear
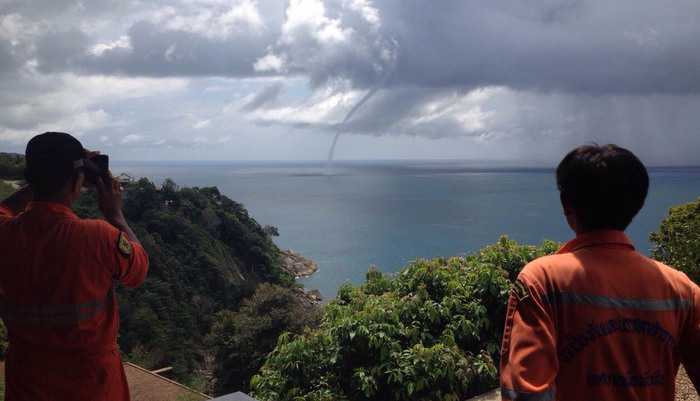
566,205
569,213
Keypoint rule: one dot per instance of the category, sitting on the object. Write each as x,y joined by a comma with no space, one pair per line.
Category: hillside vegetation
208,257
677,243
11,166
431,332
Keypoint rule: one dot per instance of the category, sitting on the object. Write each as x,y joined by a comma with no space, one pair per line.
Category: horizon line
511,162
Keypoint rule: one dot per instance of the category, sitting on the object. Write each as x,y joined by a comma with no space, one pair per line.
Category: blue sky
273,80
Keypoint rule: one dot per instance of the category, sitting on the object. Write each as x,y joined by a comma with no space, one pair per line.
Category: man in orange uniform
57,280
598,320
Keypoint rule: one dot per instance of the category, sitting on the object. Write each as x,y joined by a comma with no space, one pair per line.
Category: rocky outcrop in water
297,265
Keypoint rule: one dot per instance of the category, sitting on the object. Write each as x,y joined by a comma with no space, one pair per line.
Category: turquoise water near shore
357,214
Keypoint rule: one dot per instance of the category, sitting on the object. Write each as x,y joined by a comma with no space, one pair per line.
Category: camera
96,167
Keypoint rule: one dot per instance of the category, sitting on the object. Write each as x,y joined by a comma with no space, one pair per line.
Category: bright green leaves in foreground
677,243
431,332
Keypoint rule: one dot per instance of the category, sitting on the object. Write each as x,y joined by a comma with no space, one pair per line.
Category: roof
147,386
234,397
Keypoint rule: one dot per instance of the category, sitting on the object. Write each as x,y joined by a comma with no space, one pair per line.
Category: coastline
296,264
299,267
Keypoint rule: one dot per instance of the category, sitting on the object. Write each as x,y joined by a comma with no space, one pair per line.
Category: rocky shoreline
300,266
297,265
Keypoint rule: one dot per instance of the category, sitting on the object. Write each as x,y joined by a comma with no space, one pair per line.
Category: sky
515,80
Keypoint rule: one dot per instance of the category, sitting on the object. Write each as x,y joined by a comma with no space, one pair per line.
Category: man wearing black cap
58,275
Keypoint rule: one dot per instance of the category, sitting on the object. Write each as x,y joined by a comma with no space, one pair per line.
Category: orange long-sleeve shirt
57,279
599,321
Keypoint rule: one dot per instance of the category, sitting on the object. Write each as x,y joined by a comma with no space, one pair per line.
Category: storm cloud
510,73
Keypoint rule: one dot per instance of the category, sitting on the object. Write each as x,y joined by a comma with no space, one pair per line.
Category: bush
432,331
677,243
241,340
11,166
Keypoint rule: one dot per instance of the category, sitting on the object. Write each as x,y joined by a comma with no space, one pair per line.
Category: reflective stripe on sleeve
53,315
513,395
602,301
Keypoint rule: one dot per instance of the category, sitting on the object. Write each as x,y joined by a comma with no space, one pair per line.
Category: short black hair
606,185
50,161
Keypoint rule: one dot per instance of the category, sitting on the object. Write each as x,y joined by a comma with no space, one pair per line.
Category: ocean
352,215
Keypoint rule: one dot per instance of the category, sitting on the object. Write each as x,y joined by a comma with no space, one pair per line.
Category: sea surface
351,215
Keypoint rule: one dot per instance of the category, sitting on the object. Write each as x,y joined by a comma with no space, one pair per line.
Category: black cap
50,157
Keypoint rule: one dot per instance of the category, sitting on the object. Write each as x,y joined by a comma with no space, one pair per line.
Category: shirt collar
51,207
598,238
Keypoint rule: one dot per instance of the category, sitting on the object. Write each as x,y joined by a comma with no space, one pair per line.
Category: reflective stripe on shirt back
53,315
668,304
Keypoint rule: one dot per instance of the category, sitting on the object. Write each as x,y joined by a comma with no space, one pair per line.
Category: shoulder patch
124,246
520,291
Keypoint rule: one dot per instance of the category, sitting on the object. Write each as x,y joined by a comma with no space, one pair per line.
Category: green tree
677,243
272,231
11,166
241,340
431,331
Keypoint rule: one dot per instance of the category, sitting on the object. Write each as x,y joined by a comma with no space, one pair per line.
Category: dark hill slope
206,255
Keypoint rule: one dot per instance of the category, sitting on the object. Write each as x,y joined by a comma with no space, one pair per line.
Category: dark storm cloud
562,45
575,46
559,72
158,52
60,51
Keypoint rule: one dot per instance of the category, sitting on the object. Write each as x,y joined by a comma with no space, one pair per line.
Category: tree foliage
11,166
677,242
206,255
243,339
430,332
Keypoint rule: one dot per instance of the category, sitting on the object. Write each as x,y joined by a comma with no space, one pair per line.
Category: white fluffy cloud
35,103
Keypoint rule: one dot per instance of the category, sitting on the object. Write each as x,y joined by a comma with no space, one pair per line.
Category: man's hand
109,199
